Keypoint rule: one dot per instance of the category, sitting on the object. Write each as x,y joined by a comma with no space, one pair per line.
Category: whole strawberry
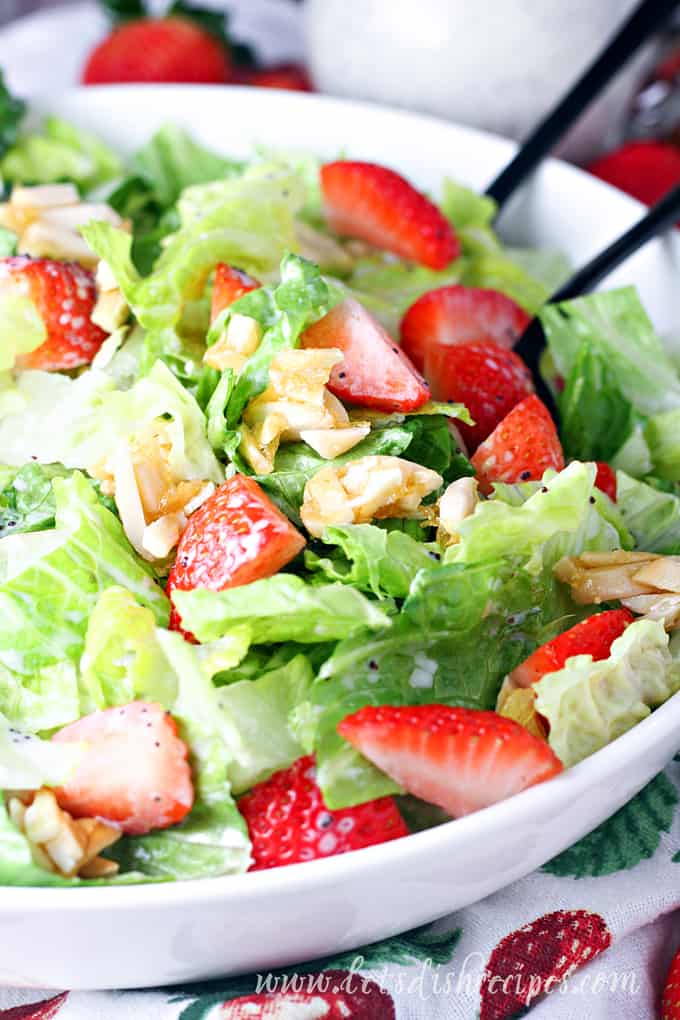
159,50
288,821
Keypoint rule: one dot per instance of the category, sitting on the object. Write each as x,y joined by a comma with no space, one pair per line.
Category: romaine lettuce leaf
652,516
497,270
27,762
588,704
78,422
22,329
596,418
260,711
172,161
49,584
557,520
11,114
661,436
26,498
279,608
461,630
617,328
382,563
61,152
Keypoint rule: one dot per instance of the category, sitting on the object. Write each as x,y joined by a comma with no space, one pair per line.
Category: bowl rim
528,807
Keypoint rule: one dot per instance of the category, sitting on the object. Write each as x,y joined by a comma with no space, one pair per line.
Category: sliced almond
161,536
662,573
331,443
45,196
456,503
600,577
98,867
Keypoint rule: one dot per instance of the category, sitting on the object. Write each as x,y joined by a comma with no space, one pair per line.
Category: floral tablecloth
588,937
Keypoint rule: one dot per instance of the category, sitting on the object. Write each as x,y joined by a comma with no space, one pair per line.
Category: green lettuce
28,763
279,608
262,708
247,221
652,516
616,327
12,111
558,520
588,704
22,329
596,418
61,152
172,160
460,631
382,563
78,422
26,498
661,436
49,584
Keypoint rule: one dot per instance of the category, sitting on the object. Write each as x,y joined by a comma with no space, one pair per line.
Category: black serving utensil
646,19
659,218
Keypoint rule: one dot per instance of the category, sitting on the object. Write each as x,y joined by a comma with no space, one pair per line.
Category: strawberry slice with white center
236,536
64,295
459,758
229,285
375,204
133,773
375,372
593,636
455,315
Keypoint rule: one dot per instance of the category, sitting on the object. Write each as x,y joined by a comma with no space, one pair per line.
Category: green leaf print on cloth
631,835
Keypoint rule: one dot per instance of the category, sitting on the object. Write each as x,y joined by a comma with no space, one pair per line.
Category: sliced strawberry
375,372
64,295
646,170
230,284
605,480
235,537
457,315
521,448
490,380
458,758
375,204
134,772
158,50
293,77
670,1006
593,636
288,821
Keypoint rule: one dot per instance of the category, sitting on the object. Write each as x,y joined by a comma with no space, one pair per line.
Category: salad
293,560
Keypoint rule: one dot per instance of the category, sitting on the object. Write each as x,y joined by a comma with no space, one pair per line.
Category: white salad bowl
137,936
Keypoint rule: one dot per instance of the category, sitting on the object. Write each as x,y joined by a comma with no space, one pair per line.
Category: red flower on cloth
43,1010
331,995
534,959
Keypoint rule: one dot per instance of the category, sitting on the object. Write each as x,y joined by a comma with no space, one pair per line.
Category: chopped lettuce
557,520
259,711
662,437
11,114
22,329
49,584
382,563
461,630
78,422
496,270
26,498
597,419
279,608
653,517
61,152
588,704
617,328
27,762
172,161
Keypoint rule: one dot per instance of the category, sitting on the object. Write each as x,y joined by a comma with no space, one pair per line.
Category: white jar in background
494,64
